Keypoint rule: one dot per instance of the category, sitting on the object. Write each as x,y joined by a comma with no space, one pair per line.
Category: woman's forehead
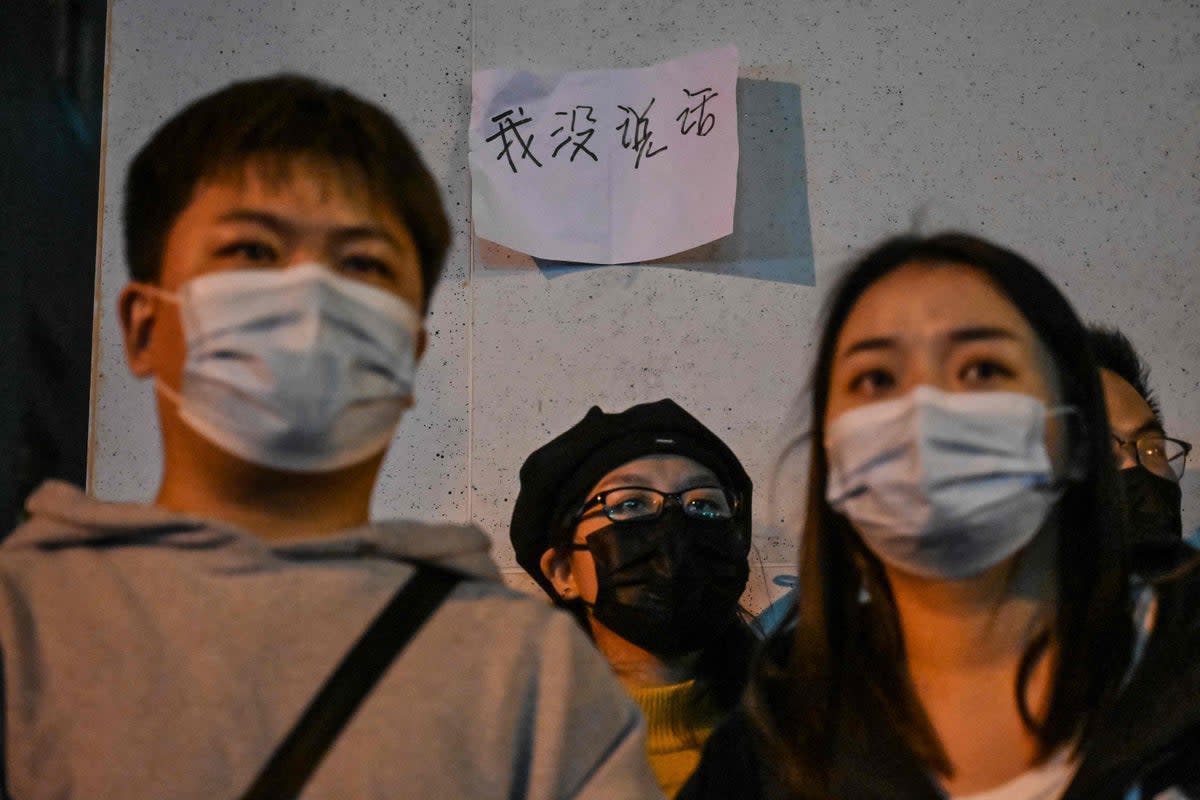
936,307
926,299
656,472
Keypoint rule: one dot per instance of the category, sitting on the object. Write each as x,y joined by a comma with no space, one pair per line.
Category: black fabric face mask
1154,505
670,585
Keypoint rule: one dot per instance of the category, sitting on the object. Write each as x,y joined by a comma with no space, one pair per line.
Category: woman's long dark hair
845,662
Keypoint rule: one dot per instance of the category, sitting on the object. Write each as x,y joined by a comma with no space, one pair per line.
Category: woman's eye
249,250
979,372
705,508
872,382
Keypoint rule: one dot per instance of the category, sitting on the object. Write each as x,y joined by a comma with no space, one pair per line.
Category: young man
284,241
1150,463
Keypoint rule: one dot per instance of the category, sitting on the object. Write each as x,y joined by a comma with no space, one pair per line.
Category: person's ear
422,342
138,313
556,566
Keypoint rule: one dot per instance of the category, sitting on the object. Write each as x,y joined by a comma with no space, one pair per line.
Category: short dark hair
846,663
1114,352
287,117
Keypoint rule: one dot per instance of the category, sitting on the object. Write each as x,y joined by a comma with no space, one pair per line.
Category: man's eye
367,265
1153,448
249,250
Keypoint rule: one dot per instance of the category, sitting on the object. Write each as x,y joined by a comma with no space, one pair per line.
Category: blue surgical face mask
943,485
295,369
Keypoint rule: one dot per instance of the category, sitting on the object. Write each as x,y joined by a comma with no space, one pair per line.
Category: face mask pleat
666,584
296,368
943,485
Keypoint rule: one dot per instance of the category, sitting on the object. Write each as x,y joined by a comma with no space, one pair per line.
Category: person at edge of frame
284,240
1150,464
638,522
968,626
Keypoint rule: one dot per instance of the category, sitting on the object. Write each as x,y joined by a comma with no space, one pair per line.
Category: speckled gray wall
1065,129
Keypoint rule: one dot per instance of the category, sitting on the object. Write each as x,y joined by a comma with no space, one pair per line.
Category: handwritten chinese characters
606,166
577,130
510,127
702,123
635,130
640,141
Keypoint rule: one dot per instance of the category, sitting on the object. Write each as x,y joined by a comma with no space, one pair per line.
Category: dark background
51,97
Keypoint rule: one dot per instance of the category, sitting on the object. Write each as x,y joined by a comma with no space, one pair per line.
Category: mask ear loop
167,392
162,294
157,291
563,542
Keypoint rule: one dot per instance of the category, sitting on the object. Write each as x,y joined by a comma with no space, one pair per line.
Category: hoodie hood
62,516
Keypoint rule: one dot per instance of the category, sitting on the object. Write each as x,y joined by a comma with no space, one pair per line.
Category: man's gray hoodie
147,654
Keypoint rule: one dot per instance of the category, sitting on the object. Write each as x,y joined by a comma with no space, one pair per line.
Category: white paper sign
606,166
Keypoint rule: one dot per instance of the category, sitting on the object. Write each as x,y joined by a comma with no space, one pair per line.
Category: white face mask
297,369
942,485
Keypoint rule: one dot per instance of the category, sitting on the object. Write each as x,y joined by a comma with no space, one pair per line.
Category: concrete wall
1064,129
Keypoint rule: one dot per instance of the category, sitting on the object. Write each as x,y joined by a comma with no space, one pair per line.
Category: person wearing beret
638,523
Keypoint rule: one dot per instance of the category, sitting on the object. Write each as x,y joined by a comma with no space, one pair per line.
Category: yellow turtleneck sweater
677,725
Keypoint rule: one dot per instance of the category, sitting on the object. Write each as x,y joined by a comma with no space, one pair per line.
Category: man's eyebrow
263,218
1149,426
358,232
277,224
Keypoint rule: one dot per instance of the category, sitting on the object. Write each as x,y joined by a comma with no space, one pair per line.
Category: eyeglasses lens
627,505
1162,456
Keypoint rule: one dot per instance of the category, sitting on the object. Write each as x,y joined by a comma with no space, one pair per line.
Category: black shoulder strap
295,760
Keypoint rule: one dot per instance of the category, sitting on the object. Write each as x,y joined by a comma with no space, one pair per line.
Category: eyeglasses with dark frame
636,503
1162,455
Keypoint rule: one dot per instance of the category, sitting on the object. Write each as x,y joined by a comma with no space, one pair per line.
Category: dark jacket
1149,739
1151,559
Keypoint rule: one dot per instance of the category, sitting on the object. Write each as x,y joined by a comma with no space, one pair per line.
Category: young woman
966,627
639,524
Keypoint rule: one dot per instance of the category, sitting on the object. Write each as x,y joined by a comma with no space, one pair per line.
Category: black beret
556,477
